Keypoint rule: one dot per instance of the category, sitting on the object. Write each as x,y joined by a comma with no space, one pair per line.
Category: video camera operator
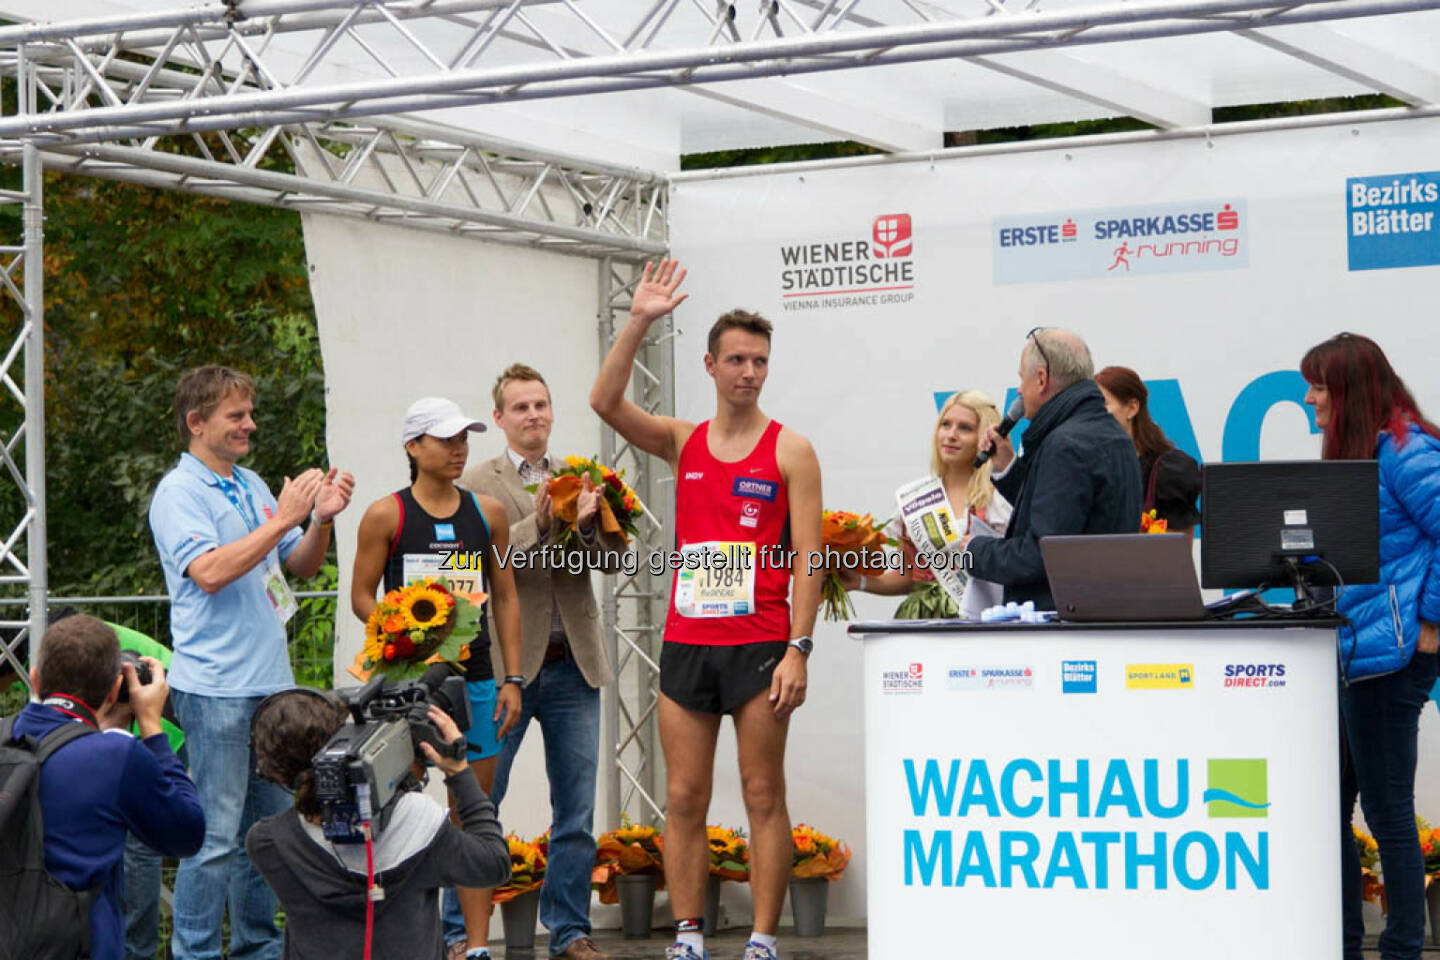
92,791
322,884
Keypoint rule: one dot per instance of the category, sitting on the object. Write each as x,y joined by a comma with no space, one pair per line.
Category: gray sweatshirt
323,893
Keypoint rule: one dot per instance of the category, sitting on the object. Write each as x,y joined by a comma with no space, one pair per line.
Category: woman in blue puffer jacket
1388,652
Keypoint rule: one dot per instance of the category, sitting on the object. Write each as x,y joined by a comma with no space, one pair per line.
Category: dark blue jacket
1386,616
1079,474
94,790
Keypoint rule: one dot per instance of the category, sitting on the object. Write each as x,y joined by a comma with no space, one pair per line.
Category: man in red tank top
747,517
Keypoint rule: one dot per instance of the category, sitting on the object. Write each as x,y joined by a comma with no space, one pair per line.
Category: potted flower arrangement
415,626
519,897
1430,849
629,868
729,860
818,861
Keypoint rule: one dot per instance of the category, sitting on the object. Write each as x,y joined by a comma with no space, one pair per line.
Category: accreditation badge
716,579
277,591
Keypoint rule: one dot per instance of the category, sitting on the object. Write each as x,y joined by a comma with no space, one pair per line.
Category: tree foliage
140,285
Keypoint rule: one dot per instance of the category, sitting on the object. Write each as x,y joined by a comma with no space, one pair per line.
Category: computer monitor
1265,523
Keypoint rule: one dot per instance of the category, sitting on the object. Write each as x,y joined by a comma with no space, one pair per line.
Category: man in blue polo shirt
225,545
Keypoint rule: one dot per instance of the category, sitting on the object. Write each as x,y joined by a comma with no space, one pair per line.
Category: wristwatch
516,678
803,644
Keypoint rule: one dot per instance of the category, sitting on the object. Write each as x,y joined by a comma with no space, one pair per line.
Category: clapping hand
587,503
334,495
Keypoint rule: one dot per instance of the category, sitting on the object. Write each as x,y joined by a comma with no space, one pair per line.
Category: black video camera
368,765
142,673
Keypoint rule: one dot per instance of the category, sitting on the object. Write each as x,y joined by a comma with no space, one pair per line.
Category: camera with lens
369,764
142,673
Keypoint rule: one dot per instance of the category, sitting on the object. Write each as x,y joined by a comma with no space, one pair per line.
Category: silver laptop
1123,576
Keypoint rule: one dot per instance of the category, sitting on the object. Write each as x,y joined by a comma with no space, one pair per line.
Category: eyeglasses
1039,349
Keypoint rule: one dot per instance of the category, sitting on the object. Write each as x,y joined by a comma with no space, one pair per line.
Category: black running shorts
713,679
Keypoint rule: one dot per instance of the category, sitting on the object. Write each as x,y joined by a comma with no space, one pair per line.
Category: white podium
1102,791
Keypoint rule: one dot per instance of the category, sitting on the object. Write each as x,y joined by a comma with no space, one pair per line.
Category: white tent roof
604,79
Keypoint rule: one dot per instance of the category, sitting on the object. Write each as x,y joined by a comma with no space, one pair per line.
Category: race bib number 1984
720,584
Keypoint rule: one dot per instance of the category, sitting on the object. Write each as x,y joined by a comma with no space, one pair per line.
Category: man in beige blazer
563,656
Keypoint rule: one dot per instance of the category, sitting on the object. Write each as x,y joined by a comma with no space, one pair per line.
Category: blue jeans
1380,720
142,900
568,709
234,797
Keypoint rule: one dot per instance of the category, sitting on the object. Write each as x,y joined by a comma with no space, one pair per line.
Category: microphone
1014,415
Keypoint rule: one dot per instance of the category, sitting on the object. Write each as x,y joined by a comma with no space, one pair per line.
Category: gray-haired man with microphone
1079,473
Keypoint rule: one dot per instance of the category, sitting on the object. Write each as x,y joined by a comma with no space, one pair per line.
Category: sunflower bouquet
527,867
854,544
729,853
620,507
415,626
817,855
630,850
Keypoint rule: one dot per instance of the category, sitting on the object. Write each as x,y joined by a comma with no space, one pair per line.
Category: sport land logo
1122,241
911,680
826,274
1237,788
1078,676
1159,676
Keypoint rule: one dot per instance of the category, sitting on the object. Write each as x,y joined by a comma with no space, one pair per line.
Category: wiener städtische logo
871,269
1237,788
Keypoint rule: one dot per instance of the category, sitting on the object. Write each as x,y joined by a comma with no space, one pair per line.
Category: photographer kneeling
322,885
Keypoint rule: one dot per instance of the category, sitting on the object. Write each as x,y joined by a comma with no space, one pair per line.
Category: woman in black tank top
434,528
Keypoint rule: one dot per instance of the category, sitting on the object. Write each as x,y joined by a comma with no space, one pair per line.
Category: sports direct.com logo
877,270
1251,676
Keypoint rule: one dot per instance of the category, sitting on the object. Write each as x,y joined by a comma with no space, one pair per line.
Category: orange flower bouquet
1149,523
527,867
415,626
817,855
630,850
620,507
854,544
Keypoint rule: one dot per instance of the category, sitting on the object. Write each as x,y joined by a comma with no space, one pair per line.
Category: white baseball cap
439,418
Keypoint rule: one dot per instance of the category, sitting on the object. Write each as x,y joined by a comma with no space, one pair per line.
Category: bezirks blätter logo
892,234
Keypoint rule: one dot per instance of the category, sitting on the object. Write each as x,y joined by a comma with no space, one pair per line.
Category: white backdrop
405,314
860,380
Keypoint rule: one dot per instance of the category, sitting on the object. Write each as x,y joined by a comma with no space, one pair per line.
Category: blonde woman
963,420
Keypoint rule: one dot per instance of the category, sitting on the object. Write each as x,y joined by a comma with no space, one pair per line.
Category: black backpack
40,917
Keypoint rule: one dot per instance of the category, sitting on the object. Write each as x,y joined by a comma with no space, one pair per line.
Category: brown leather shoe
584,949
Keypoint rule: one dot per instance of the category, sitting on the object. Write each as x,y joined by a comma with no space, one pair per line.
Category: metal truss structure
634,606
307,105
